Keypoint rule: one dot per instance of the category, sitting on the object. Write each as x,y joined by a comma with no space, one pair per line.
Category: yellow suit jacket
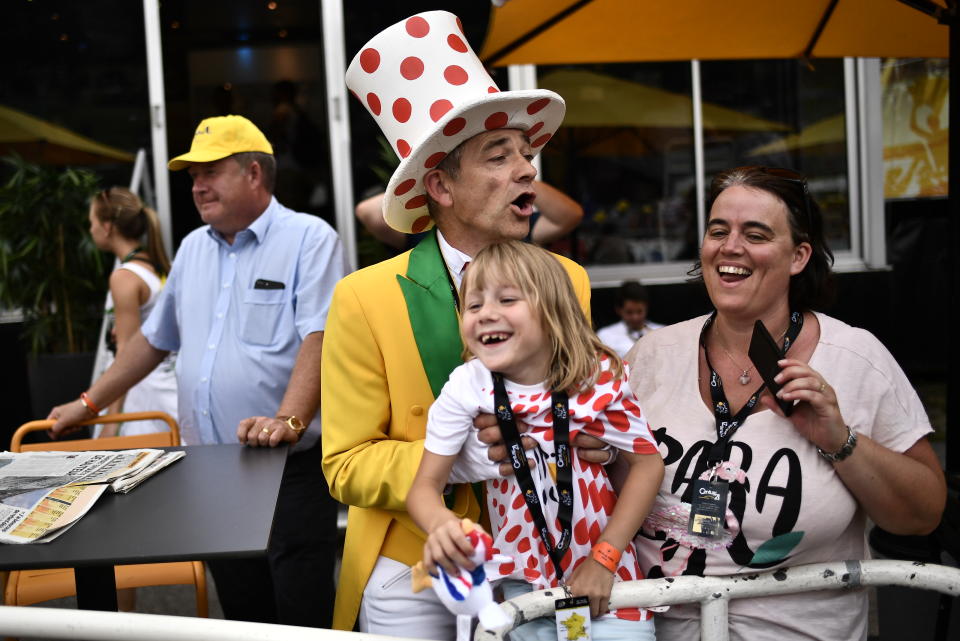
375,396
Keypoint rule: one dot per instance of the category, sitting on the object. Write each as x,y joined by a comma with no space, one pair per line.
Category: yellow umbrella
584,31
588,96
43,142
823,133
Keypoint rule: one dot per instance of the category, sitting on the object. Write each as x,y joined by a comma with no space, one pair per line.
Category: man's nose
526,170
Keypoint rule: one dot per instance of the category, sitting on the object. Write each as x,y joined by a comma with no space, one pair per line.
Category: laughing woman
799,488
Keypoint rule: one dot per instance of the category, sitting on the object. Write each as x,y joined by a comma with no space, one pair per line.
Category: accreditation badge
573,618
708,508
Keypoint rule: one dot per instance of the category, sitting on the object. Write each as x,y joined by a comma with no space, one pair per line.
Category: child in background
537,356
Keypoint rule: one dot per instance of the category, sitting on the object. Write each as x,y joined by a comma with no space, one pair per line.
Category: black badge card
708,508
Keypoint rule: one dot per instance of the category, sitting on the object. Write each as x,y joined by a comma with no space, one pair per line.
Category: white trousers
391,608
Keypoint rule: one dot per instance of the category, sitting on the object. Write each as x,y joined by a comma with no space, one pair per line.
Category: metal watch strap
294,424
845,450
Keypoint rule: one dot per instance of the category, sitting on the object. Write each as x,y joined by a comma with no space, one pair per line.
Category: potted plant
52,273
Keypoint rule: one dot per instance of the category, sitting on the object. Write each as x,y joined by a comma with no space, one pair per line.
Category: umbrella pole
953,211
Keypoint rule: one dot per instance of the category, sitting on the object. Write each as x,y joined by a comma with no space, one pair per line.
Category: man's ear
255,173
438,185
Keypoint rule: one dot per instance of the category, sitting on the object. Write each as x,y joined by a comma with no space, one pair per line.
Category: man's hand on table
265,431
590,449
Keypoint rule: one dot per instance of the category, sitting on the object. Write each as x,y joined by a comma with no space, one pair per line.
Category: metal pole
338,122
713,619
953,211
158,118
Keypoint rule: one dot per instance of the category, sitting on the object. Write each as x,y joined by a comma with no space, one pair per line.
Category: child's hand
592,580
447,546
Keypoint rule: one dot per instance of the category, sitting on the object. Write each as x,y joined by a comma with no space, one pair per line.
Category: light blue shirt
236,329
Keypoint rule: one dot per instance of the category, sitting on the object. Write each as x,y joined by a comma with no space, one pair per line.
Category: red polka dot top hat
429,92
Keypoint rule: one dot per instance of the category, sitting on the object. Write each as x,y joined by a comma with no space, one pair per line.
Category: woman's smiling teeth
733,270
496,337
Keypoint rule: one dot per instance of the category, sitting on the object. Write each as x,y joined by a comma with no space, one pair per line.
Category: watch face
296,424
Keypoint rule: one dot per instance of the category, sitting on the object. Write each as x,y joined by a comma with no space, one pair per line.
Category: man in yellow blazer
392,335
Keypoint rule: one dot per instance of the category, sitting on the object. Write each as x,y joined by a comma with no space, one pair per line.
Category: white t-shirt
619,337
790,507
609,411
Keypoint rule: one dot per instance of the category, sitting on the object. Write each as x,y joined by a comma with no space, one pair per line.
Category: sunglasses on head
794,177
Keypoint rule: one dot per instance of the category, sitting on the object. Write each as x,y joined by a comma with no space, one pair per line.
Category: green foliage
49,267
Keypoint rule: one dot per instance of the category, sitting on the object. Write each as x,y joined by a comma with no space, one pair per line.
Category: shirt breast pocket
262,309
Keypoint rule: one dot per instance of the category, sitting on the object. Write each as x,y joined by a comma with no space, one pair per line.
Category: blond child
532,357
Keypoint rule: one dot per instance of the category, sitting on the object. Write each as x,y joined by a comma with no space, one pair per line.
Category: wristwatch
294,424
845,450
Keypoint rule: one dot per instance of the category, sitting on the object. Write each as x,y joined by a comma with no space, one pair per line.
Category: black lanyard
727,426
561,441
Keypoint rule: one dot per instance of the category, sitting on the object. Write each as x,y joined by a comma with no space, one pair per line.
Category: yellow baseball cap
220,137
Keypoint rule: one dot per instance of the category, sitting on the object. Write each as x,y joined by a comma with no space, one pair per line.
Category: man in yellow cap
245,306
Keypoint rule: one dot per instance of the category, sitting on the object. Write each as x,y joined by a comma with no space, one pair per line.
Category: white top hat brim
537,112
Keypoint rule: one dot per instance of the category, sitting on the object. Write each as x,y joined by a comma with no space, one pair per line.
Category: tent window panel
788,116
625,152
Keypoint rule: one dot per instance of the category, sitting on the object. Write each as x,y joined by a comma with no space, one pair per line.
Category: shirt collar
257,230
455,259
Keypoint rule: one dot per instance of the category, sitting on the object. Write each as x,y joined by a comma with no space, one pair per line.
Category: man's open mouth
524,202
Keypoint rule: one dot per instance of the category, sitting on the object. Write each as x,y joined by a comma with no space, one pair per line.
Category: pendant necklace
745,377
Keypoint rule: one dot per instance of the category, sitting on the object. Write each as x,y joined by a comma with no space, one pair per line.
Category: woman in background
118,222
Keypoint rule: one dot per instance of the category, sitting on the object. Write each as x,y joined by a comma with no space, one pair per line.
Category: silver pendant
745,379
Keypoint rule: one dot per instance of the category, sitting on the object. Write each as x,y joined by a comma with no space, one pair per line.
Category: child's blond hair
575,350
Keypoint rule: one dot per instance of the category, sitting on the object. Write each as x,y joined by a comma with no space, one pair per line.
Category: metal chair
26,587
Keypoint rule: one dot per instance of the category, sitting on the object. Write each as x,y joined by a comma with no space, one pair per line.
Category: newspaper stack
42,494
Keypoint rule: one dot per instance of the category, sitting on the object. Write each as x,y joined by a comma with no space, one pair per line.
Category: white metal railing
714,593
51,623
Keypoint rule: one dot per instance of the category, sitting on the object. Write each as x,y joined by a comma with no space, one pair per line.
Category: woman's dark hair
813,288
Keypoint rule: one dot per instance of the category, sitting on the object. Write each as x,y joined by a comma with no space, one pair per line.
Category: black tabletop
216,502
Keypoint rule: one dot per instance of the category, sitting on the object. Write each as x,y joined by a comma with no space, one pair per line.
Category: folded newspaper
42,494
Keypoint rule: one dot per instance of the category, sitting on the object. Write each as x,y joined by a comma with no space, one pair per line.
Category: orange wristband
606,555
89,404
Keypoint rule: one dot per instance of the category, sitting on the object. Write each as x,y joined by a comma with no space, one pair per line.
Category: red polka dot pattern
542,140
455,75
416,202
439,108
434,160
411,68
619,420
403,148
537,105
492,89
401,109
421,224
532,131
456,43
602,402
374,103
417,27
495,121
404,187
454,127
643,446
369,60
